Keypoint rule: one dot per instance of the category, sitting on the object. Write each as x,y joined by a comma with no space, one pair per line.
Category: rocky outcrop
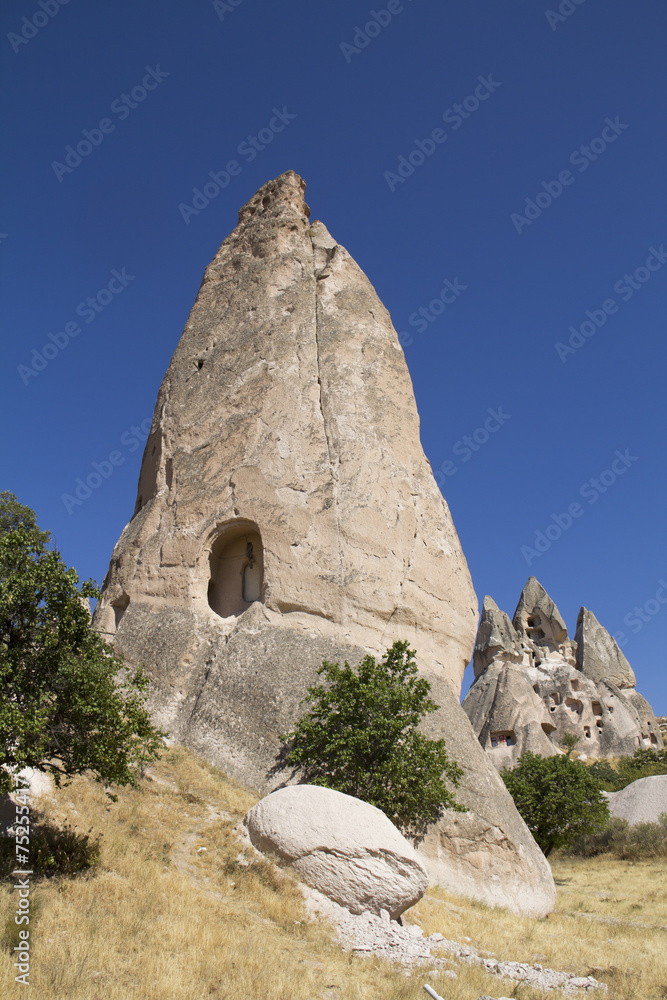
598,656
286,514
537,617
343,847
642,801
495,635
484,853
533,685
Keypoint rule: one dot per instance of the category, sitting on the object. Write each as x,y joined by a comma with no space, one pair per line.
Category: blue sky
530,214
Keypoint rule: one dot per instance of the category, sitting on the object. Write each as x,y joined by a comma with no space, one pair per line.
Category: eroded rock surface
533,685
286,514
341,846
642,801
598,656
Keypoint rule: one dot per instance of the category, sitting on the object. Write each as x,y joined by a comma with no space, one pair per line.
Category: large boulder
643,801
343,847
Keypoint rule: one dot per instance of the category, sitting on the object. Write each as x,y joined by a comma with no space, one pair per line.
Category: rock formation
533,685
341,846
287,514
642,801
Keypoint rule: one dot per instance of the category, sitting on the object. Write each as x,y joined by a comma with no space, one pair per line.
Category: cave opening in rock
236,564
503,739
120,606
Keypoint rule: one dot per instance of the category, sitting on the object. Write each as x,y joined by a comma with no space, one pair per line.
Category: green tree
568,742
15,515
558,799
67,705
360,736
605,774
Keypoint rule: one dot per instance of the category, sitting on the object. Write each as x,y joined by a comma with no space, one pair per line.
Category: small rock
415,930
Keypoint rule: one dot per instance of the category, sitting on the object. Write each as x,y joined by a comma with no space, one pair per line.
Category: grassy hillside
161,919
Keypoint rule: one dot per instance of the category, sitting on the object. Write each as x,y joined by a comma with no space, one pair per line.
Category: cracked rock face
343,847
533,685
598,655
286,514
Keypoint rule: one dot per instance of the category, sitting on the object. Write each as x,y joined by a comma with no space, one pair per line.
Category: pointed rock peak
537,617
496,637
598,655
282,196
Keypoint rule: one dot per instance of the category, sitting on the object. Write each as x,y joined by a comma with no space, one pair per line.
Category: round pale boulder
343,847
642,801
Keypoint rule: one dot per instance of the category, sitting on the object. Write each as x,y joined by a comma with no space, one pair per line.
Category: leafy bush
605,773
360,737
629,843
643,763
557,798
53,851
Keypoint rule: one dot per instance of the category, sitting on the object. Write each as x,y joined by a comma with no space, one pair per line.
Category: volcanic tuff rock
598,655
287,514
533,685
642,801
341,846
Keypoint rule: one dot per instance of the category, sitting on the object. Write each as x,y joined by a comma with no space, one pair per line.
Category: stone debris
533,685
368,934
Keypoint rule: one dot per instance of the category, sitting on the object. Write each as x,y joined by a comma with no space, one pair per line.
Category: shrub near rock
557,798
360,736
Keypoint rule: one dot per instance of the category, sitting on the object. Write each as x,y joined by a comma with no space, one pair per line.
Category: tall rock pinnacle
598,655
286,514
288,406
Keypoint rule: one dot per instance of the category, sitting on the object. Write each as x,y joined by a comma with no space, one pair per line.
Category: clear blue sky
200,80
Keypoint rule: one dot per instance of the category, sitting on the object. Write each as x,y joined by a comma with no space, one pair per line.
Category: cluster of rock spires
287,514
533,685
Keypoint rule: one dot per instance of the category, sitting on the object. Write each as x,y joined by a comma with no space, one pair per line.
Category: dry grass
610,922
161,920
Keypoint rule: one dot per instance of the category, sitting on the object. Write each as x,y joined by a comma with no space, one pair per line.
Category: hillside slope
163,919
